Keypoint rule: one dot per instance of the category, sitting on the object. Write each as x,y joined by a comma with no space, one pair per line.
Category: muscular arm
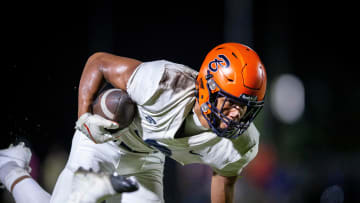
99,67
222,188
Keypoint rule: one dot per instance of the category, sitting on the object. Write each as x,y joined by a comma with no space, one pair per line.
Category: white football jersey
165,95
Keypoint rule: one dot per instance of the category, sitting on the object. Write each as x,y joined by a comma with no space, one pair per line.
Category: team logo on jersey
150,119
159,146
221,61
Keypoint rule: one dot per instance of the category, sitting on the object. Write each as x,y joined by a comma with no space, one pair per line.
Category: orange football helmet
233,71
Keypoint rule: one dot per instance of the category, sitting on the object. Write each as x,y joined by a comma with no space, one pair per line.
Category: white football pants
146,168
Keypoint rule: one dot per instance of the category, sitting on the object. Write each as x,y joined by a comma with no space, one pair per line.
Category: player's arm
99,67
222,188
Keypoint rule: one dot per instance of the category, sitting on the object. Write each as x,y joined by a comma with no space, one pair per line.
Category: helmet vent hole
234,54
201,83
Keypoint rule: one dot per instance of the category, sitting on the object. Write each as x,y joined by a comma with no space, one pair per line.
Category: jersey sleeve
144,82
246,148
235,168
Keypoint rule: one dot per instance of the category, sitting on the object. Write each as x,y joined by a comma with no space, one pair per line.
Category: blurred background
309,135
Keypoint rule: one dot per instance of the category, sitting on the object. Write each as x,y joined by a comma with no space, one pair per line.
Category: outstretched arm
222,188
99,67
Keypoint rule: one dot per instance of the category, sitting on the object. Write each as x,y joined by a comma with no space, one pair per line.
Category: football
116,105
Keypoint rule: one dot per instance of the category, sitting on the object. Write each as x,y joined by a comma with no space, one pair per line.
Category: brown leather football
116,105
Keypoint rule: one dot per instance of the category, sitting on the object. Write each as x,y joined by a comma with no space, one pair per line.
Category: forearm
90,82
222,189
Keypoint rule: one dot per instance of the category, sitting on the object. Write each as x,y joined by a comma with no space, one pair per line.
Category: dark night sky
46,49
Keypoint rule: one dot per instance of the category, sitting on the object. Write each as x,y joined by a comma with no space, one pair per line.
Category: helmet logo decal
221,61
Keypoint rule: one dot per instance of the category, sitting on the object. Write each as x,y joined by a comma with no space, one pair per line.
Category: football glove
96,127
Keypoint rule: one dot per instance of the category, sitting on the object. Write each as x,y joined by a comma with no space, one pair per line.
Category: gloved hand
96,127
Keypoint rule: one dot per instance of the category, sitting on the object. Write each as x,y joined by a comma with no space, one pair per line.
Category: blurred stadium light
287,98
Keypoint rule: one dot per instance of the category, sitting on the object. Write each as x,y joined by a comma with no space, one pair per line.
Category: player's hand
96,127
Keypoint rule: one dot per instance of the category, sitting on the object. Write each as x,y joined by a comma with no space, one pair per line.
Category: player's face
231,110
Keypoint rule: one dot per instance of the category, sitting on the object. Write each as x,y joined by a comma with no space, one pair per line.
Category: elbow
96,57
96,61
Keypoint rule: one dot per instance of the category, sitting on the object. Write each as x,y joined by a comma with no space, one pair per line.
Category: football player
192,117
